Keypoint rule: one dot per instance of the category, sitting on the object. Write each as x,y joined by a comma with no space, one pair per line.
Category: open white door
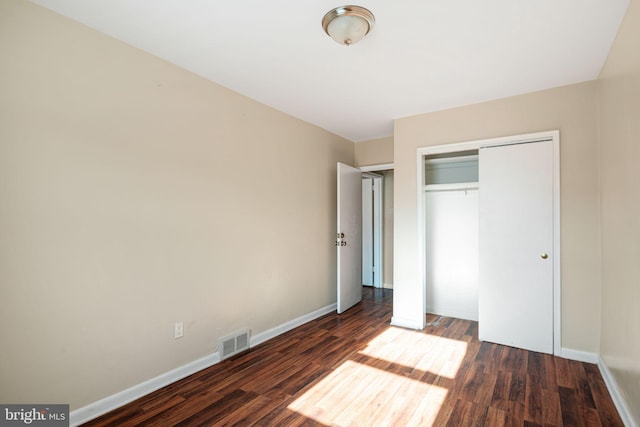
516,243
349,237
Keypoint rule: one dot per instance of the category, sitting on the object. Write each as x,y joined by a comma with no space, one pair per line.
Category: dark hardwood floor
354,369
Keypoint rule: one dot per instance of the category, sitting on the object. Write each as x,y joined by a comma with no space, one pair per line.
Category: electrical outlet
178,330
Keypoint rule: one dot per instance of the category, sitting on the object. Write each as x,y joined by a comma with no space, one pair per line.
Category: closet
451,231
492,237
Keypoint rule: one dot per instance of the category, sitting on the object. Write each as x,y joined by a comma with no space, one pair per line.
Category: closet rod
449,190
451,187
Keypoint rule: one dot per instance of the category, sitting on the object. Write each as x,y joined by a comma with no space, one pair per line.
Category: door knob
544,256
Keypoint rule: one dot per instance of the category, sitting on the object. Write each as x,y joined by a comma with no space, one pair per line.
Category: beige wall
374,152
136,194
620,185
572,110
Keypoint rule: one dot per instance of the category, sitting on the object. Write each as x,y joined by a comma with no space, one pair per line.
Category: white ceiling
422,55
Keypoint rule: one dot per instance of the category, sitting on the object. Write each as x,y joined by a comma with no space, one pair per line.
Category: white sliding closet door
516,243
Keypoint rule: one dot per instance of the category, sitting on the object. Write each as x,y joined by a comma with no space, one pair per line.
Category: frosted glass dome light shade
348,24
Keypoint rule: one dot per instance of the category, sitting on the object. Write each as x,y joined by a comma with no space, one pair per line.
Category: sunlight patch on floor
417,350
360,394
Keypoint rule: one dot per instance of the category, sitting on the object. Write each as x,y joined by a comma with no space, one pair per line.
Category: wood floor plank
191,406
533,399
518,390
250,412
213,413
551,412
496,417
492,357
591,417
564,375
282,416
501,390
515,414
304,378
514,359
550,382
536,366
569,407
147,414
356,369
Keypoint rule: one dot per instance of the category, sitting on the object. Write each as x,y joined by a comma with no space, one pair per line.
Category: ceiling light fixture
348,24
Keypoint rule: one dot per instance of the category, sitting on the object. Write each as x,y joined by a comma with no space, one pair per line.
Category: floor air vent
233,344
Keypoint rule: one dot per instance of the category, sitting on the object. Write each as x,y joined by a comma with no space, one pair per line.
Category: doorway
349,234
508,309
381,222
372,268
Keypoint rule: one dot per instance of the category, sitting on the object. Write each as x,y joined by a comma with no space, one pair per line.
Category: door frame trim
554,137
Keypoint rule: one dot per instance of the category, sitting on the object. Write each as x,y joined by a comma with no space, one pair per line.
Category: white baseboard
406,323
616,395
285,327
387,285
580,356
101,407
